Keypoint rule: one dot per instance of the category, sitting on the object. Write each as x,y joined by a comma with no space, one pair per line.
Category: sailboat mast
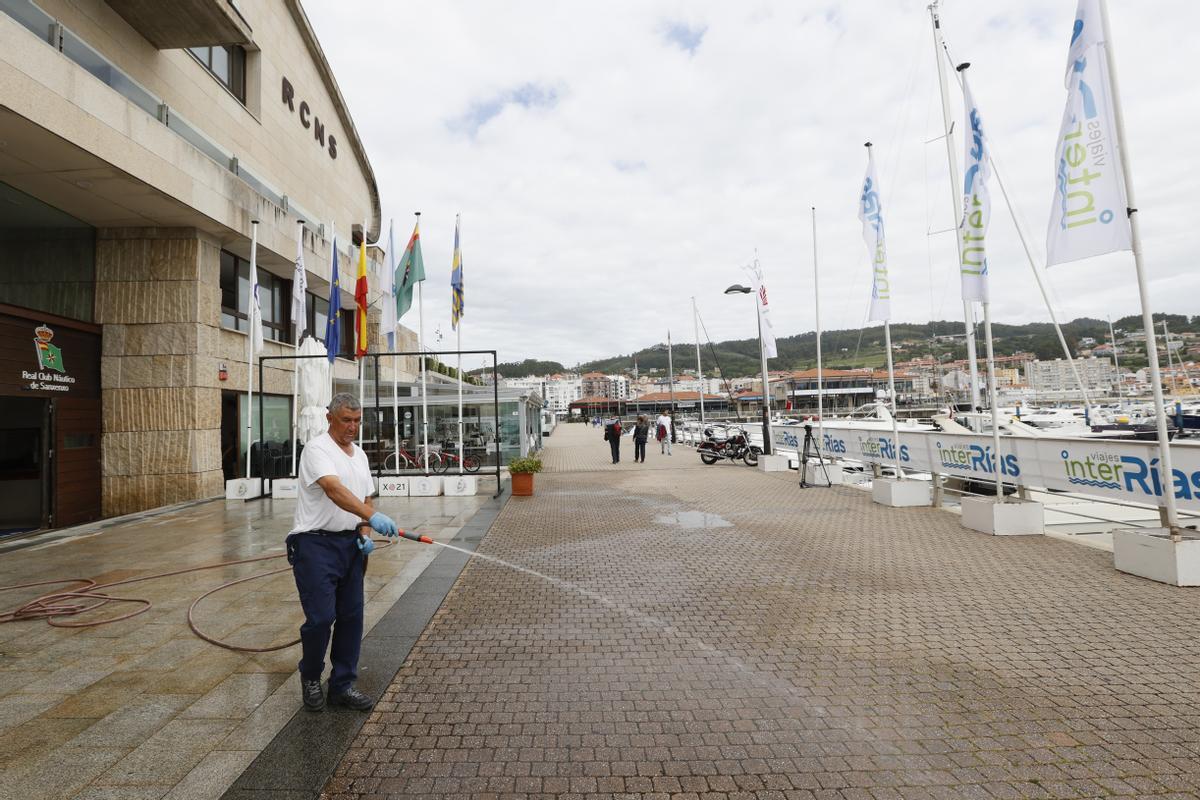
955,198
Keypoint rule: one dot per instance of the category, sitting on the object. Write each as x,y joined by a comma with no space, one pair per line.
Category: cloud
604,180
529,96
684,36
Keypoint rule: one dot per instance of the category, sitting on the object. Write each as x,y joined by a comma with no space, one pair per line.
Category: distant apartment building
557,391
613,387
1098,374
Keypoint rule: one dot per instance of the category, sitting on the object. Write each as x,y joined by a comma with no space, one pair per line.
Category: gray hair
344,400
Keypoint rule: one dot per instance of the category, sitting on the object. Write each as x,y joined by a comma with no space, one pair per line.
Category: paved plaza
658,630
683,631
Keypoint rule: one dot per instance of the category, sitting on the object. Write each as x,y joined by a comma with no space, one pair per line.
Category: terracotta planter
522,484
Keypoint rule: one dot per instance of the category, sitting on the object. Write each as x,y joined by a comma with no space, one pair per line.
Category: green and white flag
409,273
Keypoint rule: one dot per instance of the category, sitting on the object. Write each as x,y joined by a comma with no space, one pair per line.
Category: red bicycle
448,457
428,461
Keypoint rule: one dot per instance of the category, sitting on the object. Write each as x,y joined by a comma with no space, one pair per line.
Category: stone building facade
137,146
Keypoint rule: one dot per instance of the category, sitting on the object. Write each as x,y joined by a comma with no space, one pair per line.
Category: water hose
58,607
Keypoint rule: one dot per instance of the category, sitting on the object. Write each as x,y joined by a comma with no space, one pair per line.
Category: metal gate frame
267,482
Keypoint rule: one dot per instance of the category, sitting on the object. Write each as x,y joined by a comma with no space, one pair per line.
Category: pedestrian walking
612,435
641,432
664,433
328,550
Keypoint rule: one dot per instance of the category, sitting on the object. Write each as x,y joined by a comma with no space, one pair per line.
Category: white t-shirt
314,510
665,421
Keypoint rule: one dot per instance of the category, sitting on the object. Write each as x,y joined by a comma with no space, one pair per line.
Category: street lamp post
766,385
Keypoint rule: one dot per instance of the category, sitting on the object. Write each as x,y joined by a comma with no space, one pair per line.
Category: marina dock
660,630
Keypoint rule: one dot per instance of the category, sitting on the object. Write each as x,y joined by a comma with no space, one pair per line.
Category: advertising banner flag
977,205
870,213
764,310
1088,216
300,288
255,343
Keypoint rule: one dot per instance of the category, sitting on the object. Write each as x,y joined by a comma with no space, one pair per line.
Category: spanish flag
360,300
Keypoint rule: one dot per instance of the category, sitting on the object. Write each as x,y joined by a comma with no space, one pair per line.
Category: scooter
734,446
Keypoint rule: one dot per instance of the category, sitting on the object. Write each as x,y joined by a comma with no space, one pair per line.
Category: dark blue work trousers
329,576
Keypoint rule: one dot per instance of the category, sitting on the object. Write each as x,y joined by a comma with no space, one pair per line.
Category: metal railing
54,33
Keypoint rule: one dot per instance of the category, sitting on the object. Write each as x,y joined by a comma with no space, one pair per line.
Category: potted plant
522,470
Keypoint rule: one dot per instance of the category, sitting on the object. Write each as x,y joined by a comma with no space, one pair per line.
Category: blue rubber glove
382,523
365,545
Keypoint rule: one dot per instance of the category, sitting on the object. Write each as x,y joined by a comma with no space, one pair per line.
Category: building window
227,63
274,295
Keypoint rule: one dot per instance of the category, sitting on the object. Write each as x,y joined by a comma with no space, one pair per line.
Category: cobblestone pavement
143,709
712,632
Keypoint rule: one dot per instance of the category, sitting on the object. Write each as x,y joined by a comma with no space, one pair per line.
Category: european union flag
332,337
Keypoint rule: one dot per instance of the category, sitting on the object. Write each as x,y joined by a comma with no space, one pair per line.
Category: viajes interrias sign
1127,471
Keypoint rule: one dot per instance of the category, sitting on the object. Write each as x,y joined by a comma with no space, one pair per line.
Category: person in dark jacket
641,432
612,435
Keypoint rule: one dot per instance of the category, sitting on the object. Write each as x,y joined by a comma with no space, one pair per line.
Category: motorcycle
734,446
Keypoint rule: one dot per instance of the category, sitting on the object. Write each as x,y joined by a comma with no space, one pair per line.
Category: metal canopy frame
268,482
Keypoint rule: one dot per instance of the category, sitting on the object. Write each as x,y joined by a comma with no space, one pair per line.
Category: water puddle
693,520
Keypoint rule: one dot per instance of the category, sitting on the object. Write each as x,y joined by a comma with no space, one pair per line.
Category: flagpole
699,373
395,331
296,366
956,200
250,345
1037,273
670,374
458,328
358,326
424,385
998,460
1160,414
887,343
817,303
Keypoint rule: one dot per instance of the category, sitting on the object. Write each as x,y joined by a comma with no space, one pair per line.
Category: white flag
977,205
1088,216
387,285
764,310
255,339
300,288
870,212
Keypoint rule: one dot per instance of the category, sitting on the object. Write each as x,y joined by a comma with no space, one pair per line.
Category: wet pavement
675,630
143,708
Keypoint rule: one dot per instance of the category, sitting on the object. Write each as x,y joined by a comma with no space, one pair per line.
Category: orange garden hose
58,607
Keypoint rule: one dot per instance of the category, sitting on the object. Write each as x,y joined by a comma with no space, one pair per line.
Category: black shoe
314,698
352,698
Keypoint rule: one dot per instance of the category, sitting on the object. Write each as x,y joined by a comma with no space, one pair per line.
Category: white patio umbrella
315,391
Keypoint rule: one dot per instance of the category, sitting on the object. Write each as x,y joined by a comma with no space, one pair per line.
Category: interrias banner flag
977,206
1088,216
870,213
764,309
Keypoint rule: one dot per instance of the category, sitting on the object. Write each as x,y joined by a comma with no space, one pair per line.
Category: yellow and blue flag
456,282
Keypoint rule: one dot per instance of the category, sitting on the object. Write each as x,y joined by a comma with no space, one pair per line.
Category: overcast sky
613,160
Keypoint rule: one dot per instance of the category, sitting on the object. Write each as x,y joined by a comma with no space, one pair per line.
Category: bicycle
448,457
408,460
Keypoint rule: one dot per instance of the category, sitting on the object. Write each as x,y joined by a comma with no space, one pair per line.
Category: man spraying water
329,555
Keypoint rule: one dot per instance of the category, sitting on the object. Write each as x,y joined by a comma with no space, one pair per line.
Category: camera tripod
812,450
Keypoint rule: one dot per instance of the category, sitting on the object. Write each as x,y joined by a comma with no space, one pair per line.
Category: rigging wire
717,361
